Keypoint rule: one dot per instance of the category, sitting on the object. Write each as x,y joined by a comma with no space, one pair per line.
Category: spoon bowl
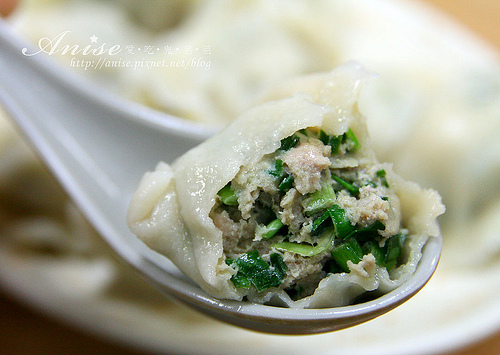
98,146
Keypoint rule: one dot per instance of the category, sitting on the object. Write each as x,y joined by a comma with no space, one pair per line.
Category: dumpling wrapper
170,209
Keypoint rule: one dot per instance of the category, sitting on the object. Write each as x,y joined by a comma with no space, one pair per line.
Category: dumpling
288,205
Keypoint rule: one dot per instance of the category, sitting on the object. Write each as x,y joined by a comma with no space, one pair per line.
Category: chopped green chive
319,200
367,233
343,226
394,245
241,281
349,250
325,138
278,168
279,265
320,223
228,196
272,228
373,248
349,135
286,183
381,174
284,179
305,249
252,269
335,142
353,190
289,142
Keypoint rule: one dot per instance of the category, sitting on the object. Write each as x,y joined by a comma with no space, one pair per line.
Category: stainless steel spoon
99,146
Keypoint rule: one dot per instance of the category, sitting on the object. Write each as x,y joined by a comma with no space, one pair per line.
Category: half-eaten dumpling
289,206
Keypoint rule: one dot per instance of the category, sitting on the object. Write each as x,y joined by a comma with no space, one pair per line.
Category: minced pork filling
311,208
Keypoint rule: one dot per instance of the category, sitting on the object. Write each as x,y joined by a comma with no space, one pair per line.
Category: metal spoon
99,146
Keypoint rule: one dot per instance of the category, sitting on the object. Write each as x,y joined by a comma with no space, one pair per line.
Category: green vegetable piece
381,174
319,200
371,183
278,264
228,196
353,190
373,248
368,233
320,223
350,136
238,279
335,142
286,183
272,228
349,250
289,142
325,138
331,267
394,245
258,272
305,249
278,168
343,226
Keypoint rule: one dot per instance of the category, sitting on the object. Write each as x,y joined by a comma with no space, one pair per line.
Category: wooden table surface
27,332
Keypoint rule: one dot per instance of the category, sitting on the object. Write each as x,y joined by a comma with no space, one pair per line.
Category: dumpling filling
310,209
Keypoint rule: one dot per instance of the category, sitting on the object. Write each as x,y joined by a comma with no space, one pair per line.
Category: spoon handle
97,145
